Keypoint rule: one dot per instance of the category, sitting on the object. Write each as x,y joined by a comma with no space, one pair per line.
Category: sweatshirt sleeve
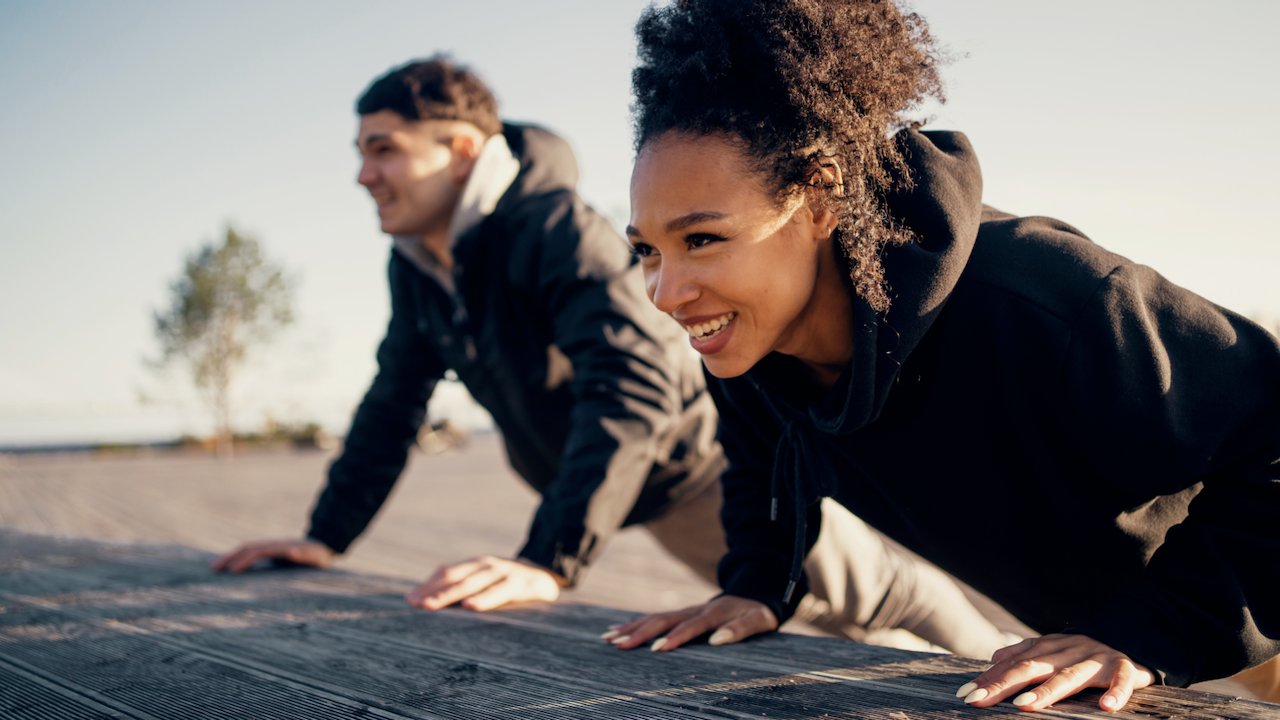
1164,382
385,425
625,386
758,563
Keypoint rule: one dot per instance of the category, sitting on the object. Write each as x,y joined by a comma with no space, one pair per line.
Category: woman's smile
710,336
738,267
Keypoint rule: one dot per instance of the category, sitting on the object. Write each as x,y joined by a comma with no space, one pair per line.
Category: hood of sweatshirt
943,209
546,160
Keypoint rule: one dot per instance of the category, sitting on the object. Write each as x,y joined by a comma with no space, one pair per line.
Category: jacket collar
942,207
494,171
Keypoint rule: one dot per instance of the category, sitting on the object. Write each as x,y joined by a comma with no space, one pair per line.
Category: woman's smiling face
743,273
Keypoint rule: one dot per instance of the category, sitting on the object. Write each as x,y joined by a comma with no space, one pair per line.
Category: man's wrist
561,580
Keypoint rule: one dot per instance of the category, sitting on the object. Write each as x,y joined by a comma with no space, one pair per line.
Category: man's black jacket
601,405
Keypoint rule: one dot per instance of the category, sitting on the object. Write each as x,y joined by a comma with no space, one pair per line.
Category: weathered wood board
96,630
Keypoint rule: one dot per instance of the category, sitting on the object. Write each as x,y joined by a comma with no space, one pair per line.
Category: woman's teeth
711,328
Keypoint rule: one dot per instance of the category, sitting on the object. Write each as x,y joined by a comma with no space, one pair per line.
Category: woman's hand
1063,665
728,619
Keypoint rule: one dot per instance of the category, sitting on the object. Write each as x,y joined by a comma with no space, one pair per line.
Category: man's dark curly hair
433,89
798,83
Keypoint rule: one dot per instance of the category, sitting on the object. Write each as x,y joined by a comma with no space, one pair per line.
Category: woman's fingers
1067,681
1062,665
733,625
700,624
643,630
726,618
1128,677
1005,681
1013,650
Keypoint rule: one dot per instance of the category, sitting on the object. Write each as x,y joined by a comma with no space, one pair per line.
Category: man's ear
466,148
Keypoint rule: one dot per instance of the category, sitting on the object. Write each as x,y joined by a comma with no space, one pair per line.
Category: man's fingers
441,578
247,557
495,596
221,563
301,552
517,583
442,597
234,561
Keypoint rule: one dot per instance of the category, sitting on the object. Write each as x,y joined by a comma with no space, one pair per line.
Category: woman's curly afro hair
799,83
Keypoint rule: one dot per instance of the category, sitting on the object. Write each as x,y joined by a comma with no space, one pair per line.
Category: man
501,273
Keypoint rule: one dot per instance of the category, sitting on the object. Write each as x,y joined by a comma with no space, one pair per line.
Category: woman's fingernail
966,688
658,644
723,636
620,639
976,695
1109,702
1025,698
609,635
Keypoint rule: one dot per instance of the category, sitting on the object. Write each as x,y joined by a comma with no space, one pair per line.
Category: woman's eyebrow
683,221
693,218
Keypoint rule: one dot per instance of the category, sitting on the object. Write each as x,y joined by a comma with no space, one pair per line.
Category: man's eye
700,239
642,250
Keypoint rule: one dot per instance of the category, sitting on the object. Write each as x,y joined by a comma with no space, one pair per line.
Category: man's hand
728,619
1063,665
485,583
298,552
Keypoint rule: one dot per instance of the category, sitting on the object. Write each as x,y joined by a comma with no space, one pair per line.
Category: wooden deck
98,630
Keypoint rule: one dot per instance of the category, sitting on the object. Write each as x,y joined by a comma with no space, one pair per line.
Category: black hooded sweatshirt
1093,447
601,407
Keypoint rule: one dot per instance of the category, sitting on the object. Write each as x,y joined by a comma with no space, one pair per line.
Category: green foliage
228,299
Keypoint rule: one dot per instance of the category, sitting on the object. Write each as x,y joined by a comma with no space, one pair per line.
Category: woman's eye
642,250
701,239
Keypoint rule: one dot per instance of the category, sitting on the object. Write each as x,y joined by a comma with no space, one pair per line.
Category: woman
1091,446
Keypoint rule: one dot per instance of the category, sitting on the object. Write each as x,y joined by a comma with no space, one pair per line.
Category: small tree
228,298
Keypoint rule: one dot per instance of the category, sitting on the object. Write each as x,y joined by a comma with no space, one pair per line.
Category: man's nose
367,175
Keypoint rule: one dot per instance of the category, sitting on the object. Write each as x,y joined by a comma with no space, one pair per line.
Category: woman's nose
670,286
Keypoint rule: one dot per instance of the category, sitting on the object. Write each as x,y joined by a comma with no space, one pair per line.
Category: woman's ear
825,219
826,174
825,182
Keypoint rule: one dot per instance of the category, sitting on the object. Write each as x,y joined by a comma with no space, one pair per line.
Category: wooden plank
123,631
216,504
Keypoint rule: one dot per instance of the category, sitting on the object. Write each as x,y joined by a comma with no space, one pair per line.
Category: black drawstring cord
803,486
792,443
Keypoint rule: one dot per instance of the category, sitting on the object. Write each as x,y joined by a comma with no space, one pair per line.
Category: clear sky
131,132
